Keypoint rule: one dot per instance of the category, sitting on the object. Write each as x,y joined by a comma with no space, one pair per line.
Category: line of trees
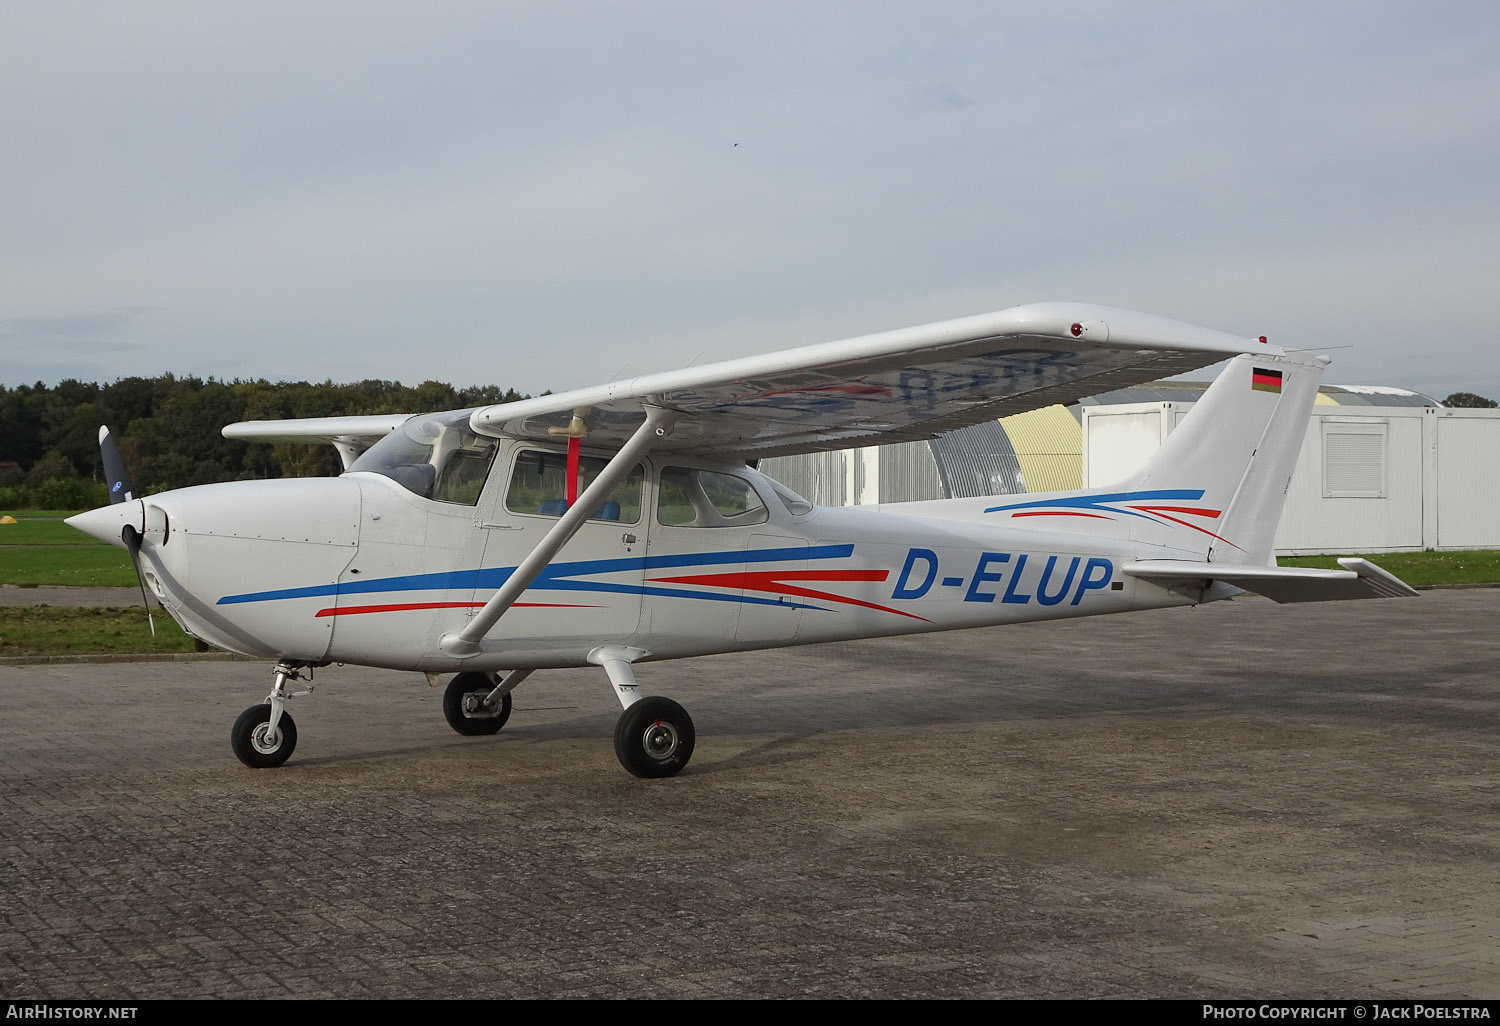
167,429
1470,401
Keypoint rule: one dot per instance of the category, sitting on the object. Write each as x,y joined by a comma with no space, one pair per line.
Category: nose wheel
259,745
264,735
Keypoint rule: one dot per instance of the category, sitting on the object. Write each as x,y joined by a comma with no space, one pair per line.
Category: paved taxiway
1239,800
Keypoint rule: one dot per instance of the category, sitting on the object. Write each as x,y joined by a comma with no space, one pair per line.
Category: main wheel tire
467,723
249,738
654,738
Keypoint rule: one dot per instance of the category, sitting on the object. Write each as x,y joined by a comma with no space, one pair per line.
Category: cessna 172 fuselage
622,524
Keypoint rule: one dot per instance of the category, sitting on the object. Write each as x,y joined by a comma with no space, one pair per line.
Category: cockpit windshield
437,456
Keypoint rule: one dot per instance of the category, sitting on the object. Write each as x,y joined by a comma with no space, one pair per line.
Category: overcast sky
545,195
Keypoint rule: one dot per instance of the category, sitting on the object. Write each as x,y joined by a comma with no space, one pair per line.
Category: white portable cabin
1370,478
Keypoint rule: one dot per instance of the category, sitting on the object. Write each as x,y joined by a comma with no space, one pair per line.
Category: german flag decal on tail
1263,380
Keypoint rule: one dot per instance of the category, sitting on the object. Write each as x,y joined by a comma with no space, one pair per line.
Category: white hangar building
1382,469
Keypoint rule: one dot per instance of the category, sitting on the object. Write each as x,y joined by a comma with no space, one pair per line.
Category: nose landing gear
264,736
259,745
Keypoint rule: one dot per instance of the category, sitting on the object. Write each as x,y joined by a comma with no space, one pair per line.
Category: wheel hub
263,741
660,740
475,708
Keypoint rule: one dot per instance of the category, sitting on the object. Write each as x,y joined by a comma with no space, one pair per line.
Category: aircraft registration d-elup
620,524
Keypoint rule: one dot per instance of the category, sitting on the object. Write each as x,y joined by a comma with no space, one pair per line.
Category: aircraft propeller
120,491
114,468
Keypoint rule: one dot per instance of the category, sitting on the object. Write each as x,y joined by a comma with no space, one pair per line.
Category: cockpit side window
461,478
437,457
539,484
702,498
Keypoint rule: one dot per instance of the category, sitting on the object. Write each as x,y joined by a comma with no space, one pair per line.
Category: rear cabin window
795,504
701,498
539,484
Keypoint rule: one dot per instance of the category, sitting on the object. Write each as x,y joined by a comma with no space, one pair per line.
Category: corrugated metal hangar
1382,469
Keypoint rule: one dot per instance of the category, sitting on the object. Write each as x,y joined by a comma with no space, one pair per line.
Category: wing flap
1358,580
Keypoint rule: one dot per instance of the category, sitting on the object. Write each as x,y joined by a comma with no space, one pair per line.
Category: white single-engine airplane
620,524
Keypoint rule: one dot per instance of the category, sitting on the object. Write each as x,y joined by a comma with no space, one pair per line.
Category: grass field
81,566
39,550
68,630
43,532
1423,569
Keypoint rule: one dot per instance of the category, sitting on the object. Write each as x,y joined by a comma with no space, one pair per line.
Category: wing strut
465,643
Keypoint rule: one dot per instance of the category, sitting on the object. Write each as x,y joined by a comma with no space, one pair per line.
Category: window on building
1354,457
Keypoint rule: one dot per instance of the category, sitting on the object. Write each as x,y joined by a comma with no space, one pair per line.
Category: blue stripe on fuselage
1098,501
554,577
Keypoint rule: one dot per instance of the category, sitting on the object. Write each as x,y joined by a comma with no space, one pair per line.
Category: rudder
1236,451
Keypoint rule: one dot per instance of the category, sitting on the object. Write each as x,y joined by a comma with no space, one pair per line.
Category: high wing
903,385
350,435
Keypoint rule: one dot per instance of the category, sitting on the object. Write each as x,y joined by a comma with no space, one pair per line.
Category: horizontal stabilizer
1359,579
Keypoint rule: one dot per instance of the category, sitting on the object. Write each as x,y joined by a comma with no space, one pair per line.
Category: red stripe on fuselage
773,582
401,607
1214,513
1180,509
1061,513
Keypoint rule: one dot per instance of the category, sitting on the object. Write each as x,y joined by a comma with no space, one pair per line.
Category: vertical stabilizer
1222,476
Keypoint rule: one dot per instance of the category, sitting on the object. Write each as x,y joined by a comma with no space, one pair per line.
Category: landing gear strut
653,736
264,735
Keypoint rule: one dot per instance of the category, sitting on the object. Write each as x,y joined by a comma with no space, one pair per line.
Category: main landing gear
653,737
475,704
264,735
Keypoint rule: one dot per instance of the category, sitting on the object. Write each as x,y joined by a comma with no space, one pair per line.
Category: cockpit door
592,590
